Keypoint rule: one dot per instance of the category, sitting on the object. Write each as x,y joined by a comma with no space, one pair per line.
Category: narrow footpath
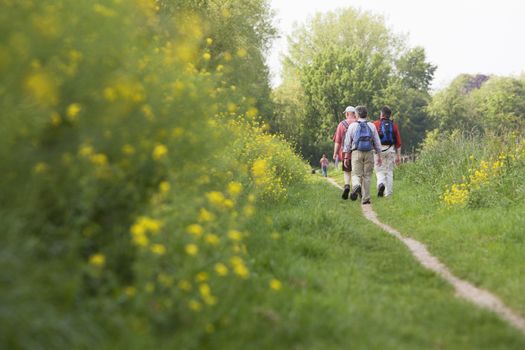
464,289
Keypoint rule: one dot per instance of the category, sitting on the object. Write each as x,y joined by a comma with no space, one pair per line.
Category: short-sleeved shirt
397,136
324,162
339,136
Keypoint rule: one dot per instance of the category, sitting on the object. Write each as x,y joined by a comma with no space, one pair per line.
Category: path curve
464,289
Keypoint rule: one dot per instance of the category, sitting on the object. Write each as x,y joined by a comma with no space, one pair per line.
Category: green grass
346,284
485,246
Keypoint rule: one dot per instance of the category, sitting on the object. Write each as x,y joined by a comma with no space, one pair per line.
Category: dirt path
464,289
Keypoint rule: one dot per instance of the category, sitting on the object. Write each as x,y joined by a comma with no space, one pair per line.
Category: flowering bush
128,157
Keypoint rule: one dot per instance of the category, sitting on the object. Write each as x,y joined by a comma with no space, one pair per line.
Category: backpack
363,137
386,132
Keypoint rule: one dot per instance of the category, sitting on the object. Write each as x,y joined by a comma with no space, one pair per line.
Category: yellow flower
86,150
204,290
72,111
184,285
206,56
97,260
140,240
194,229
241,52
128,150
43,88
249,210
99,159
259,168
232,107
221,269
209,41
191,249
40,168
205,215
56,119
234,235
201,276
252,112
210,300
275,284
164,187
130,291
158,249
194,305
216,198
228,203
241,271
159,151
212,239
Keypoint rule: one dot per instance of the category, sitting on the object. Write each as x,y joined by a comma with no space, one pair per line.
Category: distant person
391,152
361,140
324,165
339,138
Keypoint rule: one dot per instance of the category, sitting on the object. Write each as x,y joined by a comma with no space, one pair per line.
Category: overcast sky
459,36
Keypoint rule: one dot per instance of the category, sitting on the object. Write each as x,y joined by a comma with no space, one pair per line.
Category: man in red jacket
339,138
391,152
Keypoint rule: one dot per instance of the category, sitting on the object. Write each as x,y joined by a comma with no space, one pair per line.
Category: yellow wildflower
259,168
159,152
184,285
234,235
158,249
194,229
201,276
191,249
194,305
72,111
43,88
206,56
97,260
241,271
275,284
216,198
40,168
99,159
56,119
205,215
130,291
221,269
209,41
241,52
212,239
204,290
164,187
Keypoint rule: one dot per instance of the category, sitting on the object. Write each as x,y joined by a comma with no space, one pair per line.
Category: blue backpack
386,132
363,137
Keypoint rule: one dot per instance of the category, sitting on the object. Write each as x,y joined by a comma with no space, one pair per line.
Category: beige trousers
362,167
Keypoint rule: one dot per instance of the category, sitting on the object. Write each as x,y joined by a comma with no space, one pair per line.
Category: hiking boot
366,202
381,190
355,192
346,191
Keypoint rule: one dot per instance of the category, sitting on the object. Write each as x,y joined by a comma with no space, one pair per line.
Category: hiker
391,152
324,165
339,138
361,140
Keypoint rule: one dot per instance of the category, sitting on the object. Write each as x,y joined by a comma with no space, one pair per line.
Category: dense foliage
133,162
349,57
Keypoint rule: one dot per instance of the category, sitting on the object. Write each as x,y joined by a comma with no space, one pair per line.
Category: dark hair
386,111
361,111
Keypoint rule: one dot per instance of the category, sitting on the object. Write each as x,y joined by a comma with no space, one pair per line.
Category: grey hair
361,111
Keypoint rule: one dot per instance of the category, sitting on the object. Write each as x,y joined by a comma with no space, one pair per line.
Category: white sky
459,36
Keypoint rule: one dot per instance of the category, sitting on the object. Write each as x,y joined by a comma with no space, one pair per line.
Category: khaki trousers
362,167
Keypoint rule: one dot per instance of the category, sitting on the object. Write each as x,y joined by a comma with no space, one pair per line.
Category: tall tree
351,57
